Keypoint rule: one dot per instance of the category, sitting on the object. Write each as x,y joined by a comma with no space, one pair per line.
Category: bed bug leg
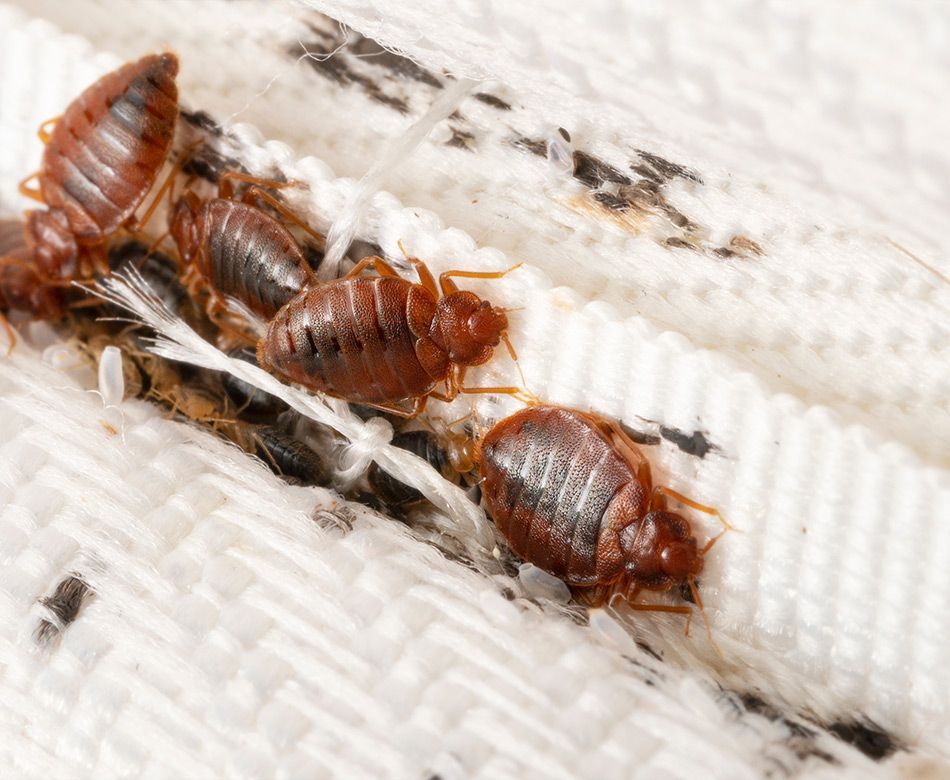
376,263
10,331
34,193
45,130
256,194
661,492
448,286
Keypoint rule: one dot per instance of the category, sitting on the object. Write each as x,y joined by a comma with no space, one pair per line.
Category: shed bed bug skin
101,159
573,495
382,339
230,247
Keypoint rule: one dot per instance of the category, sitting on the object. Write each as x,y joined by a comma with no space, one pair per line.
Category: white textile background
817,368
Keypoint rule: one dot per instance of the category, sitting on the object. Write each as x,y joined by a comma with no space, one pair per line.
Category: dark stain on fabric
533,145
667,170
492,100
694,443
461,139
337,68
594,172
64,603
372,53
866,736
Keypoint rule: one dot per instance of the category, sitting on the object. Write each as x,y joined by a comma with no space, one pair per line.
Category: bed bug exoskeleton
382,339
101,159
230,247
573,495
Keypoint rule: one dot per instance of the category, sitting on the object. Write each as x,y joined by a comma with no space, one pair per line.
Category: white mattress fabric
744,261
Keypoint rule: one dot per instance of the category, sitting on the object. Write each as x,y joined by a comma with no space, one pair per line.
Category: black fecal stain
648,650
678,243
644,195
337,69
694,443
209,164
65,603
611,201
461,139
201,120
641,437
594,172
403,67
507,593
533,145
647,173
867,737
492,100
801,739
668,170
724,252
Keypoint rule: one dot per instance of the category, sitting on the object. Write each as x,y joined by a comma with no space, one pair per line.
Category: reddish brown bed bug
21,287
231,248
102,157
379,340
573,495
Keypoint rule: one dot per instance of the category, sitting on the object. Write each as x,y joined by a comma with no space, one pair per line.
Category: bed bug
230,247
22,289
573,495
102,157
450,458
287,456
382,339
251,403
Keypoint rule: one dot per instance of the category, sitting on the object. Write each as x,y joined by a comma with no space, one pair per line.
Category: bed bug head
660,551
468,328
52,243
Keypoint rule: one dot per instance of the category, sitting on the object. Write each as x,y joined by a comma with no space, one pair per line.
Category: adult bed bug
102,157
382,339
230,247
573,495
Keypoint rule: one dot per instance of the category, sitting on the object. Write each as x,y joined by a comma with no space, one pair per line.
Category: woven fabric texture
750,306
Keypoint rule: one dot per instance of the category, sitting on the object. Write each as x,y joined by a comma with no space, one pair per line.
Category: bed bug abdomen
249,255
356,338
107,149
557,491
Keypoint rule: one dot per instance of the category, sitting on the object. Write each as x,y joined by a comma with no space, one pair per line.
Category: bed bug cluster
568,490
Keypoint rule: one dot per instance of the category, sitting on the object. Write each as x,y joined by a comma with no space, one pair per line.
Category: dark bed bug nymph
230,247
573,495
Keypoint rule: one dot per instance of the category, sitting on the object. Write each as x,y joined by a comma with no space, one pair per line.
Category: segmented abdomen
106,151
549,479
250,256
352,339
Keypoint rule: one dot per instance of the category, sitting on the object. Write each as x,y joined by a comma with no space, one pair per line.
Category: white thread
344,227
356,457
180,342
